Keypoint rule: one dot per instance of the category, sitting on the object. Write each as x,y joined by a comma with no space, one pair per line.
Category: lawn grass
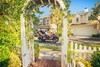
53,48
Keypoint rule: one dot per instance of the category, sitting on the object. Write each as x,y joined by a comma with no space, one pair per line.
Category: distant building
83,25
45,24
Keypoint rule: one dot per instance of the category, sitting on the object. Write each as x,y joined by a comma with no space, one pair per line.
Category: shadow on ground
48,42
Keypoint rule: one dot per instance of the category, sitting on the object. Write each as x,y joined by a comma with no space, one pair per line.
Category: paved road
89,40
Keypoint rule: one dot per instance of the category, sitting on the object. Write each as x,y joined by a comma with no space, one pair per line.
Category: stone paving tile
50,54
49,58
48,63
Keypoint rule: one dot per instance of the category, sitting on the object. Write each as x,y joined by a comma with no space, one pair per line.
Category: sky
79,5
46,11
75,6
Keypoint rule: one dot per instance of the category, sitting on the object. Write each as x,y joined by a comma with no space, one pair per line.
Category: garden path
50,54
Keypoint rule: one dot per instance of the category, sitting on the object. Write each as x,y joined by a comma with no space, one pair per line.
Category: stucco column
64,41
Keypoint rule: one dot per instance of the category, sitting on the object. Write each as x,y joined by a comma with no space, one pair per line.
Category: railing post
80,47
89,48
76,46
85,48
72,45
94,49
99,48
74,63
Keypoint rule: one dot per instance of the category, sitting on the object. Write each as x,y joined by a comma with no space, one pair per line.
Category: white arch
65,37
62,5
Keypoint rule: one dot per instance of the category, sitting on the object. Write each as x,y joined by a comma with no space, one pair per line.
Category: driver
43,33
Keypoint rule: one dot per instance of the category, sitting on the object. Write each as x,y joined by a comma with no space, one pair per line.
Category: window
77,19
89,17
48,21
44,21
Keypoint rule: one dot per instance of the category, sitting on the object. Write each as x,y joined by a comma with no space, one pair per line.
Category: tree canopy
96,11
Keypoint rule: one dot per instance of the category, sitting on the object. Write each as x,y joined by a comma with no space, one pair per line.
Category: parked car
42,36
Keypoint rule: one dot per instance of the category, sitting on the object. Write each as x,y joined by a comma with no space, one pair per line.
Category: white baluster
68,65
72,44
74,63
94,49
89,48
76,46
80,47
85,48
99,48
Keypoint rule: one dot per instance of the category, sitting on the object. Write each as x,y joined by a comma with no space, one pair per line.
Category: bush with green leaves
36,50
86,63
95,59
14,61
96,35
69,53
4,56
9,34
59,32
9,40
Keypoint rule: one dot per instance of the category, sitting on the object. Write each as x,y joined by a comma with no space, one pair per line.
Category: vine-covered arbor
28,52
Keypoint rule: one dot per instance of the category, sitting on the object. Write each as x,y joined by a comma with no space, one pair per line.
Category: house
83,25
45,24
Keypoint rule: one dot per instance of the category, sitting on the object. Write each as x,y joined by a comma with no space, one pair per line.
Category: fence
82,51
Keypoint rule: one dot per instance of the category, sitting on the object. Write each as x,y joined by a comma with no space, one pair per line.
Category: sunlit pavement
49,54
82,39
47,42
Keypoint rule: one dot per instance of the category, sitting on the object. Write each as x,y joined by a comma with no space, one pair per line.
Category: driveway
82,39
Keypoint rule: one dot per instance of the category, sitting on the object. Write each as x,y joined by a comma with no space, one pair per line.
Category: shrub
95,59
36,50
4,56
69,33
69,53
9,35
86,63
96,35
59,32
14,61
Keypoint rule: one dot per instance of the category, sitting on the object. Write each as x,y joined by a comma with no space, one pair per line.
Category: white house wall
76,16
82,18
83,31
87,16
